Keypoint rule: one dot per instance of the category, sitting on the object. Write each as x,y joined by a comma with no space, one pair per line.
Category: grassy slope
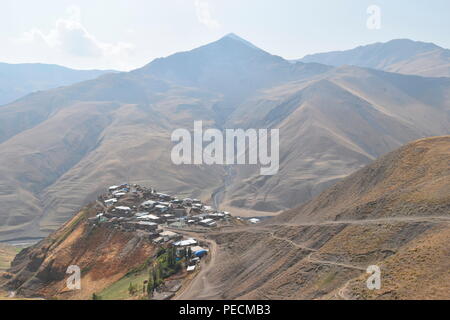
119,290
7,254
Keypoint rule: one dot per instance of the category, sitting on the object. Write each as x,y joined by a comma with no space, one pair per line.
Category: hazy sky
126,34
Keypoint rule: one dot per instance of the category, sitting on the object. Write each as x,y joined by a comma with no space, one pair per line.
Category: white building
169,235
148,217
110,202
119,194
185,243
254,220
148,203
191,268
208,223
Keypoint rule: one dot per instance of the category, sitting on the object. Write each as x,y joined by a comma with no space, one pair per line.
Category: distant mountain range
62,146
402,56
18,80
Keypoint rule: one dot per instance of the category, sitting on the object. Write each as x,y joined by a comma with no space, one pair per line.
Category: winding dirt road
200,287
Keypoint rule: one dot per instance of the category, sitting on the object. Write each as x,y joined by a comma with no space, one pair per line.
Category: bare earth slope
104,255
394,213
333,125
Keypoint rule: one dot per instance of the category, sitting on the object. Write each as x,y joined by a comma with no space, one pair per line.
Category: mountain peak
231,50
235,37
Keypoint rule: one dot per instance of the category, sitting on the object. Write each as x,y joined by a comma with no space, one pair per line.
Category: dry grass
7,254
393,214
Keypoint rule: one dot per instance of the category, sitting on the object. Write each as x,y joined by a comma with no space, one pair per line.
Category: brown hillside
60,147
394,214
412,181
103,254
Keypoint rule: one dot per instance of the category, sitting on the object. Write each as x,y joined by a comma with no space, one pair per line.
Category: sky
127,34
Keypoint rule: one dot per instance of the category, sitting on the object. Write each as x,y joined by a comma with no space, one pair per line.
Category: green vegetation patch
151,273
119,289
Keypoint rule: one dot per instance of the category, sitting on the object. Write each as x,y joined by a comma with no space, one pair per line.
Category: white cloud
204,14
70,37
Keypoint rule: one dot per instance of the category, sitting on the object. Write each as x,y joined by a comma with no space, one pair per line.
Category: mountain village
138,208
164,220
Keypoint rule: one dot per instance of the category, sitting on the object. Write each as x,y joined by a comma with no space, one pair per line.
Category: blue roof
200,252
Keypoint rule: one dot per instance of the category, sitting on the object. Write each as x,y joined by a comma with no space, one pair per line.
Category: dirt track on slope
205,286
200,287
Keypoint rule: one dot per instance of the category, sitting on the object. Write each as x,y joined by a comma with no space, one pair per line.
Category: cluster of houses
135,208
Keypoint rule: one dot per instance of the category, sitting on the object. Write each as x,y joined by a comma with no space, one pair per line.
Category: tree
160,252
171,258
144,288
161,270
96,297
150,286
157,280
132,289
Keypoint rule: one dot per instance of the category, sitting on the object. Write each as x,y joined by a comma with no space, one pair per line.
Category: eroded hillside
103,254
113,246
394,214
60,147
